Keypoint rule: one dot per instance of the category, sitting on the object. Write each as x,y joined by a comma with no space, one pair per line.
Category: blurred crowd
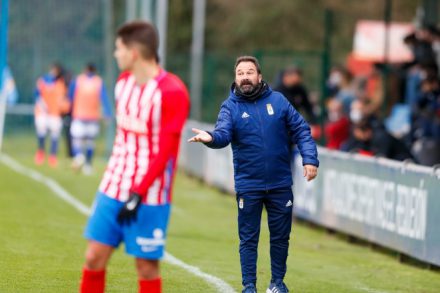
396,117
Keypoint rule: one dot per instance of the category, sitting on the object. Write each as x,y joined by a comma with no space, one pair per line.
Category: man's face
291,79
247,77
54,71
364,135
125,56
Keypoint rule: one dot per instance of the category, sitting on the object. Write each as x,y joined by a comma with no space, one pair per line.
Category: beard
246,86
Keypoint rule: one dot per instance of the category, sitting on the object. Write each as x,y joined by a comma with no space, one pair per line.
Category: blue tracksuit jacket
261,133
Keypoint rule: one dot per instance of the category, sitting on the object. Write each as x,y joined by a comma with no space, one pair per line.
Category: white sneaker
78,162
277,287
87,170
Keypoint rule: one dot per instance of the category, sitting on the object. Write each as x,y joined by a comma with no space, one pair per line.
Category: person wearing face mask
360,110
356,111
337,128
334,80
261,124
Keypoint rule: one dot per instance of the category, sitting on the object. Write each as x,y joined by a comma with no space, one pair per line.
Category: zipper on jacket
264,145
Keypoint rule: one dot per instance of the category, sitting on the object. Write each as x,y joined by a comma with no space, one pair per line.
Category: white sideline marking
221,285
371,290
60,192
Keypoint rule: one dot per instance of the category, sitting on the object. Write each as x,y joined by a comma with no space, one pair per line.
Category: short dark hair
292,69
364,125
141,33
248,59
91,67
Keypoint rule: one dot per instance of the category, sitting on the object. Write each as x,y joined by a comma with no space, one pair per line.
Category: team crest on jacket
269,109
241,203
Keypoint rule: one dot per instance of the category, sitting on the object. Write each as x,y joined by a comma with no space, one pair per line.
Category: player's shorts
48,123
143,237
84,129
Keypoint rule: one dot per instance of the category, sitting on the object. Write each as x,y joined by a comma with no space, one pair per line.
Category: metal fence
218,73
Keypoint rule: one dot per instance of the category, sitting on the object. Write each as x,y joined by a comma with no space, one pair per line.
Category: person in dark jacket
366,139
293,89
261,124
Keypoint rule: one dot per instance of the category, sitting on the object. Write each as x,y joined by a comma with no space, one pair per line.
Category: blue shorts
143,237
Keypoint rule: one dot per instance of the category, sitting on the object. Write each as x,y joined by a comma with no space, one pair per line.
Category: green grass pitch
41,243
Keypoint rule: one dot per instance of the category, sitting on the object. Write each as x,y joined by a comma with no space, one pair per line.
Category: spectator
337,129
373,92
427,110
293,89
426,123
371,141
334,80
346,94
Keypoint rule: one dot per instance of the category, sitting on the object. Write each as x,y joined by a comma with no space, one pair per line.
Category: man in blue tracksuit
261,125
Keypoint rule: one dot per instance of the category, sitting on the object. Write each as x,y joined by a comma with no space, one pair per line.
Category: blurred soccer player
88,96
50,103
261,124
133,200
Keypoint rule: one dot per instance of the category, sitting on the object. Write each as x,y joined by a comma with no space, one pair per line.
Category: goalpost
3,57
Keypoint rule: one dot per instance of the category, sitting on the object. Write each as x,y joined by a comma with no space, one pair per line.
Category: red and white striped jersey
150,119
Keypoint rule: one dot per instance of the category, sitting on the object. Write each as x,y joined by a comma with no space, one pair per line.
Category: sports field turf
41,243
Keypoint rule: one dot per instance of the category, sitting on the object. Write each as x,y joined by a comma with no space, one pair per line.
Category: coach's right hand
202,136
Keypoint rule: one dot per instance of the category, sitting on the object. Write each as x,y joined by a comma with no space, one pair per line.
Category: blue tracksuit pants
278,204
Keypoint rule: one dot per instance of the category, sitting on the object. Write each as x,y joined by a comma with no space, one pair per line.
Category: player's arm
37,94
37,91
105,102
167,143
71,91
38,99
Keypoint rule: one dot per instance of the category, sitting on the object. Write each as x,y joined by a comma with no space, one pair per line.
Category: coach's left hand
310,172
128,212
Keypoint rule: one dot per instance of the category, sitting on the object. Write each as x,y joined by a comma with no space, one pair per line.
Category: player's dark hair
141,33
248,59
91,67
59,68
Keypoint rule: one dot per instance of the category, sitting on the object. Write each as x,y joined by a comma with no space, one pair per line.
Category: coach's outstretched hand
128,212
202,136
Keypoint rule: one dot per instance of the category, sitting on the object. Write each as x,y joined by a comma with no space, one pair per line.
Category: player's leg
77,132
104,234
279,213
55,127
145,240
41,131
93,274
97,255
148,275
92,131
250,206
